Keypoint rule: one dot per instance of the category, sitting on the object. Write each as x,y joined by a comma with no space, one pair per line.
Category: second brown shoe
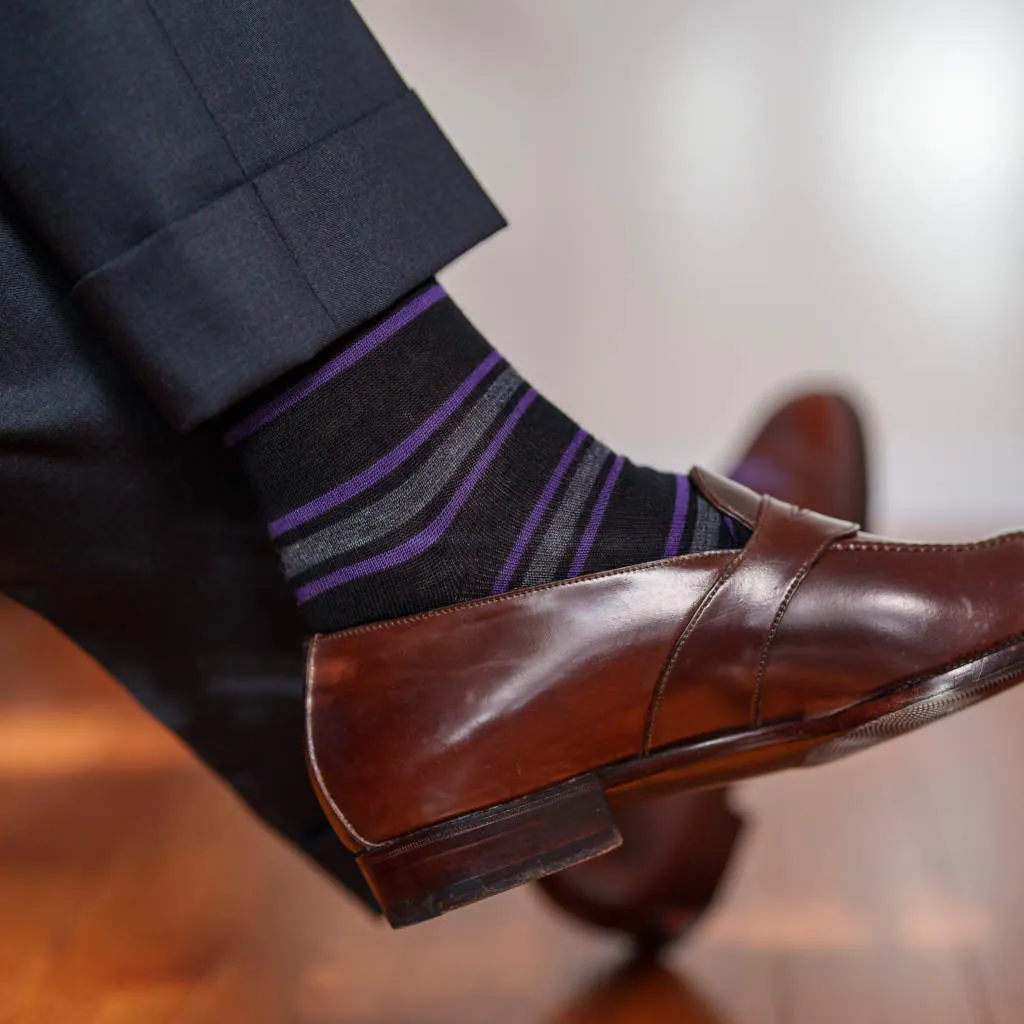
676,849
470,749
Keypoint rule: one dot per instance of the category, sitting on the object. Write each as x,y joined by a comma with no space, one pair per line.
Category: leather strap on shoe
737,620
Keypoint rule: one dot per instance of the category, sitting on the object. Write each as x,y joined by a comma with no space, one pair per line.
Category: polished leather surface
418,720
900,610
424,718
714,673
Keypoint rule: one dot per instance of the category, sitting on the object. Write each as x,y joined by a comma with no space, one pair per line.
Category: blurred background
712,204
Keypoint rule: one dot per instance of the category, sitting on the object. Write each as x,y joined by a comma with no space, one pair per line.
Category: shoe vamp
870,616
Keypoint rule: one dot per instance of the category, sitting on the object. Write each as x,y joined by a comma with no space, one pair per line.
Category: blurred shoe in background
677,849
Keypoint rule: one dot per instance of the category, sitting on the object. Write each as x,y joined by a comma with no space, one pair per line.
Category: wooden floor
135,888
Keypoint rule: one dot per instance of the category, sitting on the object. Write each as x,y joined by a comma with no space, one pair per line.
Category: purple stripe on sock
431,534
342,361
387,463
682,506
536,514
594,524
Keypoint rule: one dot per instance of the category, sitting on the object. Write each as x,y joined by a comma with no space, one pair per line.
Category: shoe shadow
641,991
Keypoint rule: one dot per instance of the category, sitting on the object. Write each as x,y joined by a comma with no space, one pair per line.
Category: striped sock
412,468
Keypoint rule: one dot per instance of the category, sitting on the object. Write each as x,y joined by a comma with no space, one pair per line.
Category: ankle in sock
411,467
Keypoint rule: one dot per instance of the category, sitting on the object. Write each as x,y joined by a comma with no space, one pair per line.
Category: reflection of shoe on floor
675,850
467,750
640,991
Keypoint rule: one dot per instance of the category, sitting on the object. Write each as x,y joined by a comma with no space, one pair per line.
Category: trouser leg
228,185
142,546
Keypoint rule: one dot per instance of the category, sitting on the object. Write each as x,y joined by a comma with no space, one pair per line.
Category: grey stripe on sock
705,529
561,532
397,507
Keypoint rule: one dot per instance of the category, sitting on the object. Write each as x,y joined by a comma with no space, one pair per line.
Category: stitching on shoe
661,684
915,549
941,670
311,749
723,503
932,673
523,593
794,585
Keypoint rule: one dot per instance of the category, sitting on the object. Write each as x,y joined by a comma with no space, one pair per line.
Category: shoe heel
434,870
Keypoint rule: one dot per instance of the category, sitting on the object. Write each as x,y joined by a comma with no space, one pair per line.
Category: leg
141,545
228,186
206,179
583,630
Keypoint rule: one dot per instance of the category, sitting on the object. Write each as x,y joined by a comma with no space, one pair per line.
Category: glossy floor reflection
641,991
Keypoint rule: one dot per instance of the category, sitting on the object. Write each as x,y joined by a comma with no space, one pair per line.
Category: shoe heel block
433,870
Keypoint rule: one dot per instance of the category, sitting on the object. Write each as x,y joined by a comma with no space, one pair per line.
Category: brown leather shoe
467,750
676,848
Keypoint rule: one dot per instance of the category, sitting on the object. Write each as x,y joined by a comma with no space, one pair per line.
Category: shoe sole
437,869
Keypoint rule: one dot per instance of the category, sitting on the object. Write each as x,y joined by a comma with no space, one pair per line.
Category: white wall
715,201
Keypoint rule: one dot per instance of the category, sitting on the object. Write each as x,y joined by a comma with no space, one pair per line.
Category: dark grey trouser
195,197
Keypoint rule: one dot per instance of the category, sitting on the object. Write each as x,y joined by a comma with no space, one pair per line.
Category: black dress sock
411,467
